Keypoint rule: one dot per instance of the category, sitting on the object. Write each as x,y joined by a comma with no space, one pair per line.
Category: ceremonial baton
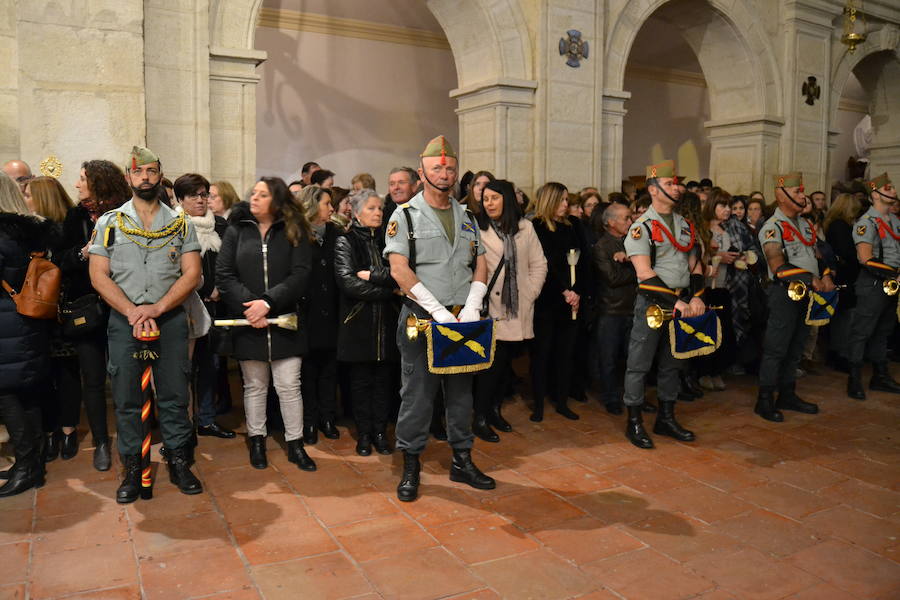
284,321
147,354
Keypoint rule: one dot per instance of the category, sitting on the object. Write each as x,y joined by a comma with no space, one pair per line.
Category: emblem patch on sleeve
392,229
636,233
770,234
861,230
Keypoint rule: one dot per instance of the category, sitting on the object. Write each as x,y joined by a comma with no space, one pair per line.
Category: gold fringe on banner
691,331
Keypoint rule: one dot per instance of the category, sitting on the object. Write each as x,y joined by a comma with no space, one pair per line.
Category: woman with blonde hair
839,222
320,309
221,198
557,306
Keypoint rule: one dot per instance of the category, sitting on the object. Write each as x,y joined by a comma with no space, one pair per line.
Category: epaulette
404,205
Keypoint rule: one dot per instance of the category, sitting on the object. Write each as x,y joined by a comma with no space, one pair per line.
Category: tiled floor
807,509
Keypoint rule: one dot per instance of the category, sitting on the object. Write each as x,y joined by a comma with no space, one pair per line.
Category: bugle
657,316
415,325
890,287
797,290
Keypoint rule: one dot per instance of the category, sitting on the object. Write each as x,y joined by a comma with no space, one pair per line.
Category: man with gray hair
403,183
617,291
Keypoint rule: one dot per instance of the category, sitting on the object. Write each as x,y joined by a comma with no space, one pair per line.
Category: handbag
81,316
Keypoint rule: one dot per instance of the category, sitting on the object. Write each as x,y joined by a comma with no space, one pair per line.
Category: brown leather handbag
39,296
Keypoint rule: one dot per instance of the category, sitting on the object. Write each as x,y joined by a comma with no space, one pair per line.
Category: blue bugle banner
460,347
695,336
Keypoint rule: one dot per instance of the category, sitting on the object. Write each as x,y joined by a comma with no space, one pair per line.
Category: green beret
141,156
439,146
878,182
789,180
664,169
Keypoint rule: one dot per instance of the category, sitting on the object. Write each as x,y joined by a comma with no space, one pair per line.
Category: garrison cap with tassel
441,147
664,169
141,156
789,180
878,182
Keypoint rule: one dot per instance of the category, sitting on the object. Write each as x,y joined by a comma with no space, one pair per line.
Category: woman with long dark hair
558,304
472,200
516,272
262,271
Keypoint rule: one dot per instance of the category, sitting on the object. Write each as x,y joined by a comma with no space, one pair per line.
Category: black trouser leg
490,385
67,380
362,375
92,362
319,385
23,422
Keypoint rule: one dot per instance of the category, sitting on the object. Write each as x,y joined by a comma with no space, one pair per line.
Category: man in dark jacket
616,293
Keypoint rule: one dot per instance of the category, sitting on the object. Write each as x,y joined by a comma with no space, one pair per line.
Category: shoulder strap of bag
493,281
411,236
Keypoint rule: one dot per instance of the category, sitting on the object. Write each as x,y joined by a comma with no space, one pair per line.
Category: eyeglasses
201,195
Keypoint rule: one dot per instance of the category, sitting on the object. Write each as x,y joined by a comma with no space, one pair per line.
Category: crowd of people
567,277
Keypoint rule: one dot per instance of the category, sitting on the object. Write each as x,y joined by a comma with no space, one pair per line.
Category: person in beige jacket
512,248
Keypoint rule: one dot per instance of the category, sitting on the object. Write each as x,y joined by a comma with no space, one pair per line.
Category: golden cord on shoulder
133,228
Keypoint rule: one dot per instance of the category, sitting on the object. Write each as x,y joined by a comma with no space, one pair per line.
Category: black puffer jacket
24,343
280,276
319,304
368,309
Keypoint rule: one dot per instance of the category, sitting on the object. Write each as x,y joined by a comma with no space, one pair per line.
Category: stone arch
232,23
723,35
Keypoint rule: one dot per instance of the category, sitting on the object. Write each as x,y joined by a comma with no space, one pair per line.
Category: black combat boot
257,445
855,387
481,428
634,429
667,425
408,489
765,405
882,380
789,400
496,420
179,461
464,470
130,488
297,454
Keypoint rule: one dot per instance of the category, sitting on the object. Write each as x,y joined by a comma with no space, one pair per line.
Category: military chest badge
770,234
636,233
861,230
392,229
466,226
173,254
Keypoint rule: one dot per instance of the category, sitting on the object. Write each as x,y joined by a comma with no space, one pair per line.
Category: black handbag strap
500,266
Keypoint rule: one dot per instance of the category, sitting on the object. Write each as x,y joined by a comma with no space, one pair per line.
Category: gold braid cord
178,225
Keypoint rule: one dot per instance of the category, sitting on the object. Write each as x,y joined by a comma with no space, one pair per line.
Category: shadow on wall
359,110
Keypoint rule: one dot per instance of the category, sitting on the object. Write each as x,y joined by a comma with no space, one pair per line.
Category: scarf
206,232
319,231
509,295
95,208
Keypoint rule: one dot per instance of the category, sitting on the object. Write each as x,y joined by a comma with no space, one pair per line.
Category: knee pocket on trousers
111,369
408,368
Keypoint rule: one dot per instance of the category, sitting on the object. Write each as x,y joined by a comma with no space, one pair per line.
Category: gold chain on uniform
176,226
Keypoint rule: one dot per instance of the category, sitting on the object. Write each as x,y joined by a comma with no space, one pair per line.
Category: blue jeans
611,337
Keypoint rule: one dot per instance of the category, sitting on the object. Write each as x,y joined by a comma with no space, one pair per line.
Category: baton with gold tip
284,321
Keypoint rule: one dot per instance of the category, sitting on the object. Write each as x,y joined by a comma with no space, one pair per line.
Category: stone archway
877,65
746,105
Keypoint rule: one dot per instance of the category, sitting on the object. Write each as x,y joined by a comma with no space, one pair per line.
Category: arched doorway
738,67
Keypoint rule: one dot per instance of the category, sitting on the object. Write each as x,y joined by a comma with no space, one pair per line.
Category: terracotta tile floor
806,509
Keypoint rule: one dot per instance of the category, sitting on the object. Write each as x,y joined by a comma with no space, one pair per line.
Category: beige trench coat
531,271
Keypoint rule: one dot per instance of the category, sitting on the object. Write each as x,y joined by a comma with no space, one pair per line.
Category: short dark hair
692,184
509,220
320,176
706,182
307,166
190,184
643,201
296,182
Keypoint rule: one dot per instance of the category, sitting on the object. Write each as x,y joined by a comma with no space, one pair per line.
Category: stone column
806,51
496,131
232,110
176,72
612,140
744,154
9,82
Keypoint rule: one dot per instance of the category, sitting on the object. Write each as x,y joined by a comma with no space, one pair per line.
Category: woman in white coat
516,272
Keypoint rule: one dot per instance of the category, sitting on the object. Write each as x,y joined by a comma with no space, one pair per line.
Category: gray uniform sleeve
99,235
396,234
190,242
637,242
865,232
770,233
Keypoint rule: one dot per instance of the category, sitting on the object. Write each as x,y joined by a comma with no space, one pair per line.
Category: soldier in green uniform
665,251
789,243
433,246
145,261
877,238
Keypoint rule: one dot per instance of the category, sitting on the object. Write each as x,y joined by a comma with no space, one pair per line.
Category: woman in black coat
368,320
555,329
24,342
319,307
262,271
839,221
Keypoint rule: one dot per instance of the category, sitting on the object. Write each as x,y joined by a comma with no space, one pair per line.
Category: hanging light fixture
854,27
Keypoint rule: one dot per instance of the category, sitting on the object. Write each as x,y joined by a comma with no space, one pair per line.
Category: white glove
472,309
426,300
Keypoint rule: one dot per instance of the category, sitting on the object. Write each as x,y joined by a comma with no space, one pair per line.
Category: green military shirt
787,232
875,228
671,264
143,274
443,265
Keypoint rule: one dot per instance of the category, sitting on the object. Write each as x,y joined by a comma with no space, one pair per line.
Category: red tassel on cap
800,188
443,153
133,162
